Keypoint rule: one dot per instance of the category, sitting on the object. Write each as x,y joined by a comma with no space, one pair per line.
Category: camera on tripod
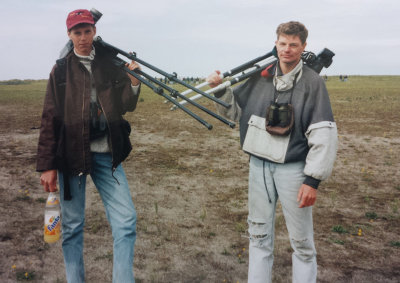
317,62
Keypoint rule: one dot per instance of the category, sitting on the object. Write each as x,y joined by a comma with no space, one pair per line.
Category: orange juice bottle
52,219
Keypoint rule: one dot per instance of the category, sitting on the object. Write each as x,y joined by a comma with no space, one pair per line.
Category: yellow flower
26,274
244,249
359,232
211,170
14,266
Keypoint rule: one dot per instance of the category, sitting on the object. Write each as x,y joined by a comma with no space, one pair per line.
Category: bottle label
52,223
52,200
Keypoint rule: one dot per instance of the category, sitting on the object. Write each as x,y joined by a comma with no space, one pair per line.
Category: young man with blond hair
287,128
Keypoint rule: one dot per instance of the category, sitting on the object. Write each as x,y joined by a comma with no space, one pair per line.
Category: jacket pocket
260,143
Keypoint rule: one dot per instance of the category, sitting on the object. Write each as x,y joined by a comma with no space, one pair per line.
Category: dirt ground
189,186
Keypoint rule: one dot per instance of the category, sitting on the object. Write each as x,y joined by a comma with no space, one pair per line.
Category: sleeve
234,111
323,142
321,136
237,97
129,95
51,124
135,89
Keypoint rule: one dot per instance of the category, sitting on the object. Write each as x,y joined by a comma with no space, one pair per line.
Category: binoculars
279,115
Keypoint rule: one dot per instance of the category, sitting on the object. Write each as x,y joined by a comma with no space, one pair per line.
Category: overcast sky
195,37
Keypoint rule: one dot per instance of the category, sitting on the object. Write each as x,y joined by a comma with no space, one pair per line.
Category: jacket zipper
111,148
109,133
83,122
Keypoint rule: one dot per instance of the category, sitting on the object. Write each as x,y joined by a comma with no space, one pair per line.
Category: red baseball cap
79,17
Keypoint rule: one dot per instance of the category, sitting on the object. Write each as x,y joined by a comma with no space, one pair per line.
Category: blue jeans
120,213
267,182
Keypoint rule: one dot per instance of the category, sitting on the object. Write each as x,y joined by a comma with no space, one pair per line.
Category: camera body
95,14
317,62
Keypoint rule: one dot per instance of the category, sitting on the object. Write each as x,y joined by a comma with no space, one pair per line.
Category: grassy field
189,187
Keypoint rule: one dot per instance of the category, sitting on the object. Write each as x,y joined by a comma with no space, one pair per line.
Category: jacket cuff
45,165
312,182
135,89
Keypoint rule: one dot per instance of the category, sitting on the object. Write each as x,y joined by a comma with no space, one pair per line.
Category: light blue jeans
120,213
267,182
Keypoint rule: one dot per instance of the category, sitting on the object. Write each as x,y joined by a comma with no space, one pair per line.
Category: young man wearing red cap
83,132
287,128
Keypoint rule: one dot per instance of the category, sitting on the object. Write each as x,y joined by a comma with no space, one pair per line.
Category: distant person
83,132
345,78
341,77
287,128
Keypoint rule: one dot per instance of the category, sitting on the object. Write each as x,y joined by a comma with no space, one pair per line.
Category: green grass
339,242
364,103
339,229
371,215
361,104
395,244
25,275
28,93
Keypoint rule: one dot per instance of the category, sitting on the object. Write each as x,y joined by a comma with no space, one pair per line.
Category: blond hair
293,28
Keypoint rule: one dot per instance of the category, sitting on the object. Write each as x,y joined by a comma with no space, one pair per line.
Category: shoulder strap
61,72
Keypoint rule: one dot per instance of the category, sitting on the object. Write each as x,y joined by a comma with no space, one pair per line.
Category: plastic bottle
52,219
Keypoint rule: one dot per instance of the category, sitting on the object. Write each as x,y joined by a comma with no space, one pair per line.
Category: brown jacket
64,134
